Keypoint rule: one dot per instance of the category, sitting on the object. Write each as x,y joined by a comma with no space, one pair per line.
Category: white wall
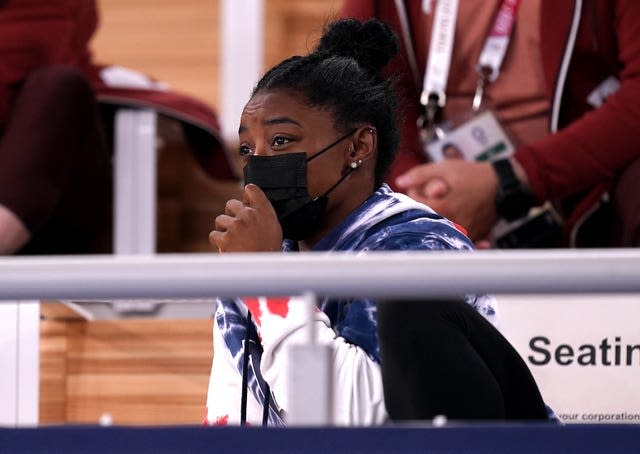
19,363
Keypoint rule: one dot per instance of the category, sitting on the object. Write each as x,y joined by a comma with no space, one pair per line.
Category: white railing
381,274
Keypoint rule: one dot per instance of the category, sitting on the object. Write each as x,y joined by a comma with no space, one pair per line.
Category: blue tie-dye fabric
387,221
370,228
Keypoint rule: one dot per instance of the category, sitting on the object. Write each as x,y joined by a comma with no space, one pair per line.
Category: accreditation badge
478,137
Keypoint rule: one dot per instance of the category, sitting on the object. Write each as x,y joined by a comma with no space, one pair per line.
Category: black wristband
513,201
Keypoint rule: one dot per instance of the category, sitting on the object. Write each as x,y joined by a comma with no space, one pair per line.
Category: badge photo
481,138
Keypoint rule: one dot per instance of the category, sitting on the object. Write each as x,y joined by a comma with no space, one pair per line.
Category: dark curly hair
343,75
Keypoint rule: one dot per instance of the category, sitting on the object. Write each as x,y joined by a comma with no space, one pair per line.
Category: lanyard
433,96
495,47
436,73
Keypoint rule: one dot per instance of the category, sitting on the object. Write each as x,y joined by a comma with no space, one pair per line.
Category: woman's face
275,122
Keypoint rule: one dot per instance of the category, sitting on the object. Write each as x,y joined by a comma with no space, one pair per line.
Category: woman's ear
364,144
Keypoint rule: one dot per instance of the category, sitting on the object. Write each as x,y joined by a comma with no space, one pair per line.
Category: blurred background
145,370
179,43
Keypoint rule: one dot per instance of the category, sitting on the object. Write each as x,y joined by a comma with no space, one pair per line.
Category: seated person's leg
55,174
626,208
443,358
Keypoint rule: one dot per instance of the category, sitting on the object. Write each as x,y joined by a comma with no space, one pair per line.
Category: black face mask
283,179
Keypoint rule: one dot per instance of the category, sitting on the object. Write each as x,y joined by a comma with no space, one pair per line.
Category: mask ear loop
353,166
350,169
331,145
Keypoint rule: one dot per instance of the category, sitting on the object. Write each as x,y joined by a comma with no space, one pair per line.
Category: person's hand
250,225
462,191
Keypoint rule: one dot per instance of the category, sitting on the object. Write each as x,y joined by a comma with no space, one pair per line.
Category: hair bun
372,43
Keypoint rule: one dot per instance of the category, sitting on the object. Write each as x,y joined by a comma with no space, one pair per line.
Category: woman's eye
280,141
244,150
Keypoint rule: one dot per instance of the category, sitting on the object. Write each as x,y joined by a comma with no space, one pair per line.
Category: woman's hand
250,225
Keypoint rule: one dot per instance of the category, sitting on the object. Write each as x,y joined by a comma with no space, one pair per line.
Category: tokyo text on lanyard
433,97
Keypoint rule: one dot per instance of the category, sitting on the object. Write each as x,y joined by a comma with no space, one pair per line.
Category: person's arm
358,397
442,236
590,151
600,144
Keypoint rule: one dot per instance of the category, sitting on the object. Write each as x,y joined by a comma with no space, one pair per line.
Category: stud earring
354,164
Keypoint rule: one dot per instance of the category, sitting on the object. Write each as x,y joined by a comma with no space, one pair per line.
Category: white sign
584,352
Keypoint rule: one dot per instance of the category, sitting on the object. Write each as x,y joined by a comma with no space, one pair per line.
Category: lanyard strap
436,73
495,48
441,47
496,44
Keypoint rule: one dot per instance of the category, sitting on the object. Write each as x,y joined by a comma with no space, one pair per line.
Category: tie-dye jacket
386,221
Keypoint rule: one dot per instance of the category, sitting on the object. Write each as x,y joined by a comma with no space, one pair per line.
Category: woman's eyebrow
272,121
280,120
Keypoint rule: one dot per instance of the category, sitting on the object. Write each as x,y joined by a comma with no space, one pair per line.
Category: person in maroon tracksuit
575,136
55,158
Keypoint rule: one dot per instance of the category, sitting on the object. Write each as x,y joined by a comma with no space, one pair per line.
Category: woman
318,135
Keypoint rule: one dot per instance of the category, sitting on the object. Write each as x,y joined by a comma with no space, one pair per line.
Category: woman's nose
262,150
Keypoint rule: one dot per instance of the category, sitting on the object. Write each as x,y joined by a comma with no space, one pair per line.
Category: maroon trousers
626,208
55,170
